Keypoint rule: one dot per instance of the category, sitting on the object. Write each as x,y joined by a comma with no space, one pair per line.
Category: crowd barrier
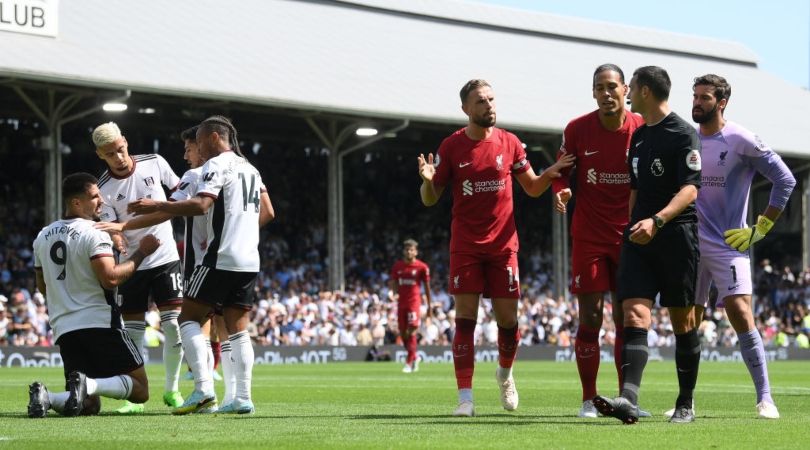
49,356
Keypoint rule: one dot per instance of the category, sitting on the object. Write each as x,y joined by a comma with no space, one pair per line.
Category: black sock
687,360
635,354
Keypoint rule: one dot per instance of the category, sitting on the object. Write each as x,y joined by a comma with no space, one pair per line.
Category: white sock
210,356
58,400
118,387
465,395
136,329
172,349
242,353
227,373
196,356
504,373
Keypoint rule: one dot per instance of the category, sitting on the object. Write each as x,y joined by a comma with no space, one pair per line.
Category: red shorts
494,276
408,317
593,267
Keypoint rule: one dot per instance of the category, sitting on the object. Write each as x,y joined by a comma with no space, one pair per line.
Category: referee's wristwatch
659,222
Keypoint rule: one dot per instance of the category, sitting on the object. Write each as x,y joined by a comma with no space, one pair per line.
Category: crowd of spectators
295,306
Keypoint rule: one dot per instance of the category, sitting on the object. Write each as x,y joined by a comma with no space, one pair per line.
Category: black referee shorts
667,265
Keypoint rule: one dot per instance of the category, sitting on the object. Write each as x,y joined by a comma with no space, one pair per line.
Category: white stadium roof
388,58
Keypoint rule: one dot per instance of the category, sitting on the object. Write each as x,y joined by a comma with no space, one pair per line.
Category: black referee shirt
662,158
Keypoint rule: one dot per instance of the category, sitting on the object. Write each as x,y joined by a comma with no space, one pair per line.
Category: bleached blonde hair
106,133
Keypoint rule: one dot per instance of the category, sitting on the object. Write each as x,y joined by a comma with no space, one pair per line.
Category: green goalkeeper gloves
742,238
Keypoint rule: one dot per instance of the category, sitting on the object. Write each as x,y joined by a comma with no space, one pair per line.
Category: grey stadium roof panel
397,59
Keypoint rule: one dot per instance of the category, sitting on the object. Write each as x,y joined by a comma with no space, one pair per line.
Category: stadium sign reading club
39,17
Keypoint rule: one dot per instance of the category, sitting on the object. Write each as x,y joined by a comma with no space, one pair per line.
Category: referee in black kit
660,246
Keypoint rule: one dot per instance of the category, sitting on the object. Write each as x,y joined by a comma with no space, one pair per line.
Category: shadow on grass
56,415
479,419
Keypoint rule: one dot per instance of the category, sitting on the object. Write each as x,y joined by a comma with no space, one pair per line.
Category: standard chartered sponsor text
614,178
489,185
719,181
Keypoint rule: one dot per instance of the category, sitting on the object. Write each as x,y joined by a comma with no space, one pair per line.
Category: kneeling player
74,264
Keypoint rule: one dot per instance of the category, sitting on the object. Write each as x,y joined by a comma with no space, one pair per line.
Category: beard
703,117
485,122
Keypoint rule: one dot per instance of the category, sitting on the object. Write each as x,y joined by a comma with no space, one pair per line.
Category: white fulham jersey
75,298
196,234
143,181
233,219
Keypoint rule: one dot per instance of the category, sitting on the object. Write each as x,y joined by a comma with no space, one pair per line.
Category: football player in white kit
74,265
229,194
129,178
196,242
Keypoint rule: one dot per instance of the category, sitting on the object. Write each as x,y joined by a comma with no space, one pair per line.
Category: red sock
587,352
216,347
618,348
410,346
464,352
507,345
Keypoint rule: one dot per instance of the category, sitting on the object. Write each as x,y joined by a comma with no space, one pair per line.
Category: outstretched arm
196,206
534,185
146,220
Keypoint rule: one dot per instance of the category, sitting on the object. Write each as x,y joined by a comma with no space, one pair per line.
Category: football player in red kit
406,276
600,141
477,163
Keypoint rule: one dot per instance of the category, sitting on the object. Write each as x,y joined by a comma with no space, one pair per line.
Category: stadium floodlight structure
57,112
335,140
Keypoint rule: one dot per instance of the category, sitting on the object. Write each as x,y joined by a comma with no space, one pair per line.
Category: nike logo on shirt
587,153
639,143
464,164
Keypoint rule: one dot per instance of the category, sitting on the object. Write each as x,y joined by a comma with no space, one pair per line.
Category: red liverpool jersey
480,177
408,279
603,183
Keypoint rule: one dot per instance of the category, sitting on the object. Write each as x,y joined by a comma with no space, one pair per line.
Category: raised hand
426,167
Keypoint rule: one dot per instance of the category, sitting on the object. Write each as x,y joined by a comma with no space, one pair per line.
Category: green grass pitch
374,405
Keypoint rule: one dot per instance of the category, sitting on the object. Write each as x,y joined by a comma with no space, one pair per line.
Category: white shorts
731,273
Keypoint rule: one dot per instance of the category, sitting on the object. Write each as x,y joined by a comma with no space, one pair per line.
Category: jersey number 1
59,256
249,196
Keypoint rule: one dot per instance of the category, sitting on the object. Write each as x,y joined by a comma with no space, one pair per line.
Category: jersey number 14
249,196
